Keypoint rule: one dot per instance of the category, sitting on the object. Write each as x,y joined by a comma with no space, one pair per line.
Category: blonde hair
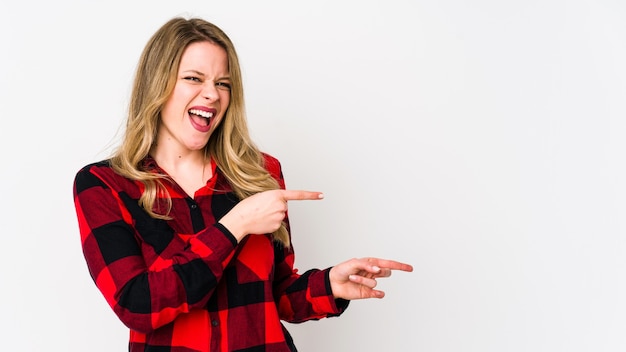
230,145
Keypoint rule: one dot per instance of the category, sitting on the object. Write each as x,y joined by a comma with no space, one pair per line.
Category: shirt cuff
340,304
226,233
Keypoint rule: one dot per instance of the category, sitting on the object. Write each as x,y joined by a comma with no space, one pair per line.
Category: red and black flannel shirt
185,284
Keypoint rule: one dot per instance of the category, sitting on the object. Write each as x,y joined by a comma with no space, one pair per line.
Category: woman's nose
209,91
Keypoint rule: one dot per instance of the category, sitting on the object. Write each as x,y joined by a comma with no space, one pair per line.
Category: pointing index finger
390,264
302,195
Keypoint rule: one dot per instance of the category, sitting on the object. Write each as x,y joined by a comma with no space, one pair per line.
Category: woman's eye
223,85
192,78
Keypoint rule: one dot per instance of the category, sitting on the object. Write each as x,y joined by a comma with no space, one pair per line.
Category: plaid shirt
185,284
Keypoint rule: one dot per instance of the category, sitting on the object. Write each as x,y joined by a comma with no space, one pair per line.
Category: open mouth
201,117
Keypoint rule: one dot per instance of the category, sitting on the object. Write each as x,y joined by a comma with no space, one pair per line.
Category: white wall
481,141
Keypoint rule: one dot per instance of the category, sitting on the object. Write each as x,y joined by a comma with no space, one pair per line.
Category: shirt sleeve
307,296
144,298
300,297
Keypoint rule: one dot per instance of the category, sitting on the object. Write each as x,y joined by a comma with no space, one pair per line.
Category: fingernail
376,268
321,196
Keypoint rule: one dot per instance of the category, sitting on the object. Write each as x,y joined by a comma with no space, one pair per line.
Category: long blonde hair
230,145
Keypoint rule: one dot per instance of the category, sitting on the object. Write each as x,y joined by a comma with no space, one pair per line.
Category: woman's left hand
356,278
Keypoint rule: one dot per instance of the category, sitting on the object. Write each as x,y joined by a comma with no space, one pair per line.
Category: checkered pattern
185,284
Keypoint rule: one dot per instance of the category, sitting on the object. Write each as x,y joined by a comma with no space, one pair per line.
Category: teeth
204,114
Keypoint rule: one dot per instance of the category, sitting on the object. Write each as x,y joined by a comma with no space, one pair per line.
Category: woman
184,228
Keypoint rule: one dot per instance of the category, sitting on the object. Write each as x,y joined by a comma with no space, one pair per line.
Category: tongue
200,120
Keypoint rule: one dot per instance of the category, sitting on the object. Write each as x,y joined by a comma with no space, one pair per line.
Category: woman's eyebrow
202,74
194,71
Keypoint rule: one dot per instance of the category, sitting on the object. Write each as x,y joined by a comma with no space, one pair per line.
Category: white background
481,141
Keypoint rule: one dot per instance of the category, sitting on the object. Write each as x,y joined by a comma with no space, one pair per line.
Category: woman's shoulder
272,165
99,173
270,162
97,166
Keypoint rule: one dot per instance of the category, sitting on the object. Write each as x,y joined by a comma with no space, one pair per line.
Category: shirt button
214,323
193,206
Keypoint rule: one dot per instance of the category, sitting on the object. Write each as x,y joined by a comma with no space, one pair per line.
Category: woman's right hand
263,212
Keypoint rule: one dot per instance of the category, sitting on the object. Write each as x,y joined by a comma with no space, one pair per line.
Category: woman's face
199,100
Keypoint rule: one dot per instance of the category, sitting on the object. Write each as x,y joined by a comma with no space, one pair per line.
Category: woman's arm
144,297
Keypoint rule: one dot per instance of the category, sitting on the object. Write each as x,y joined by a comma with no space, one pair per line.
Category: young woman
184,228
